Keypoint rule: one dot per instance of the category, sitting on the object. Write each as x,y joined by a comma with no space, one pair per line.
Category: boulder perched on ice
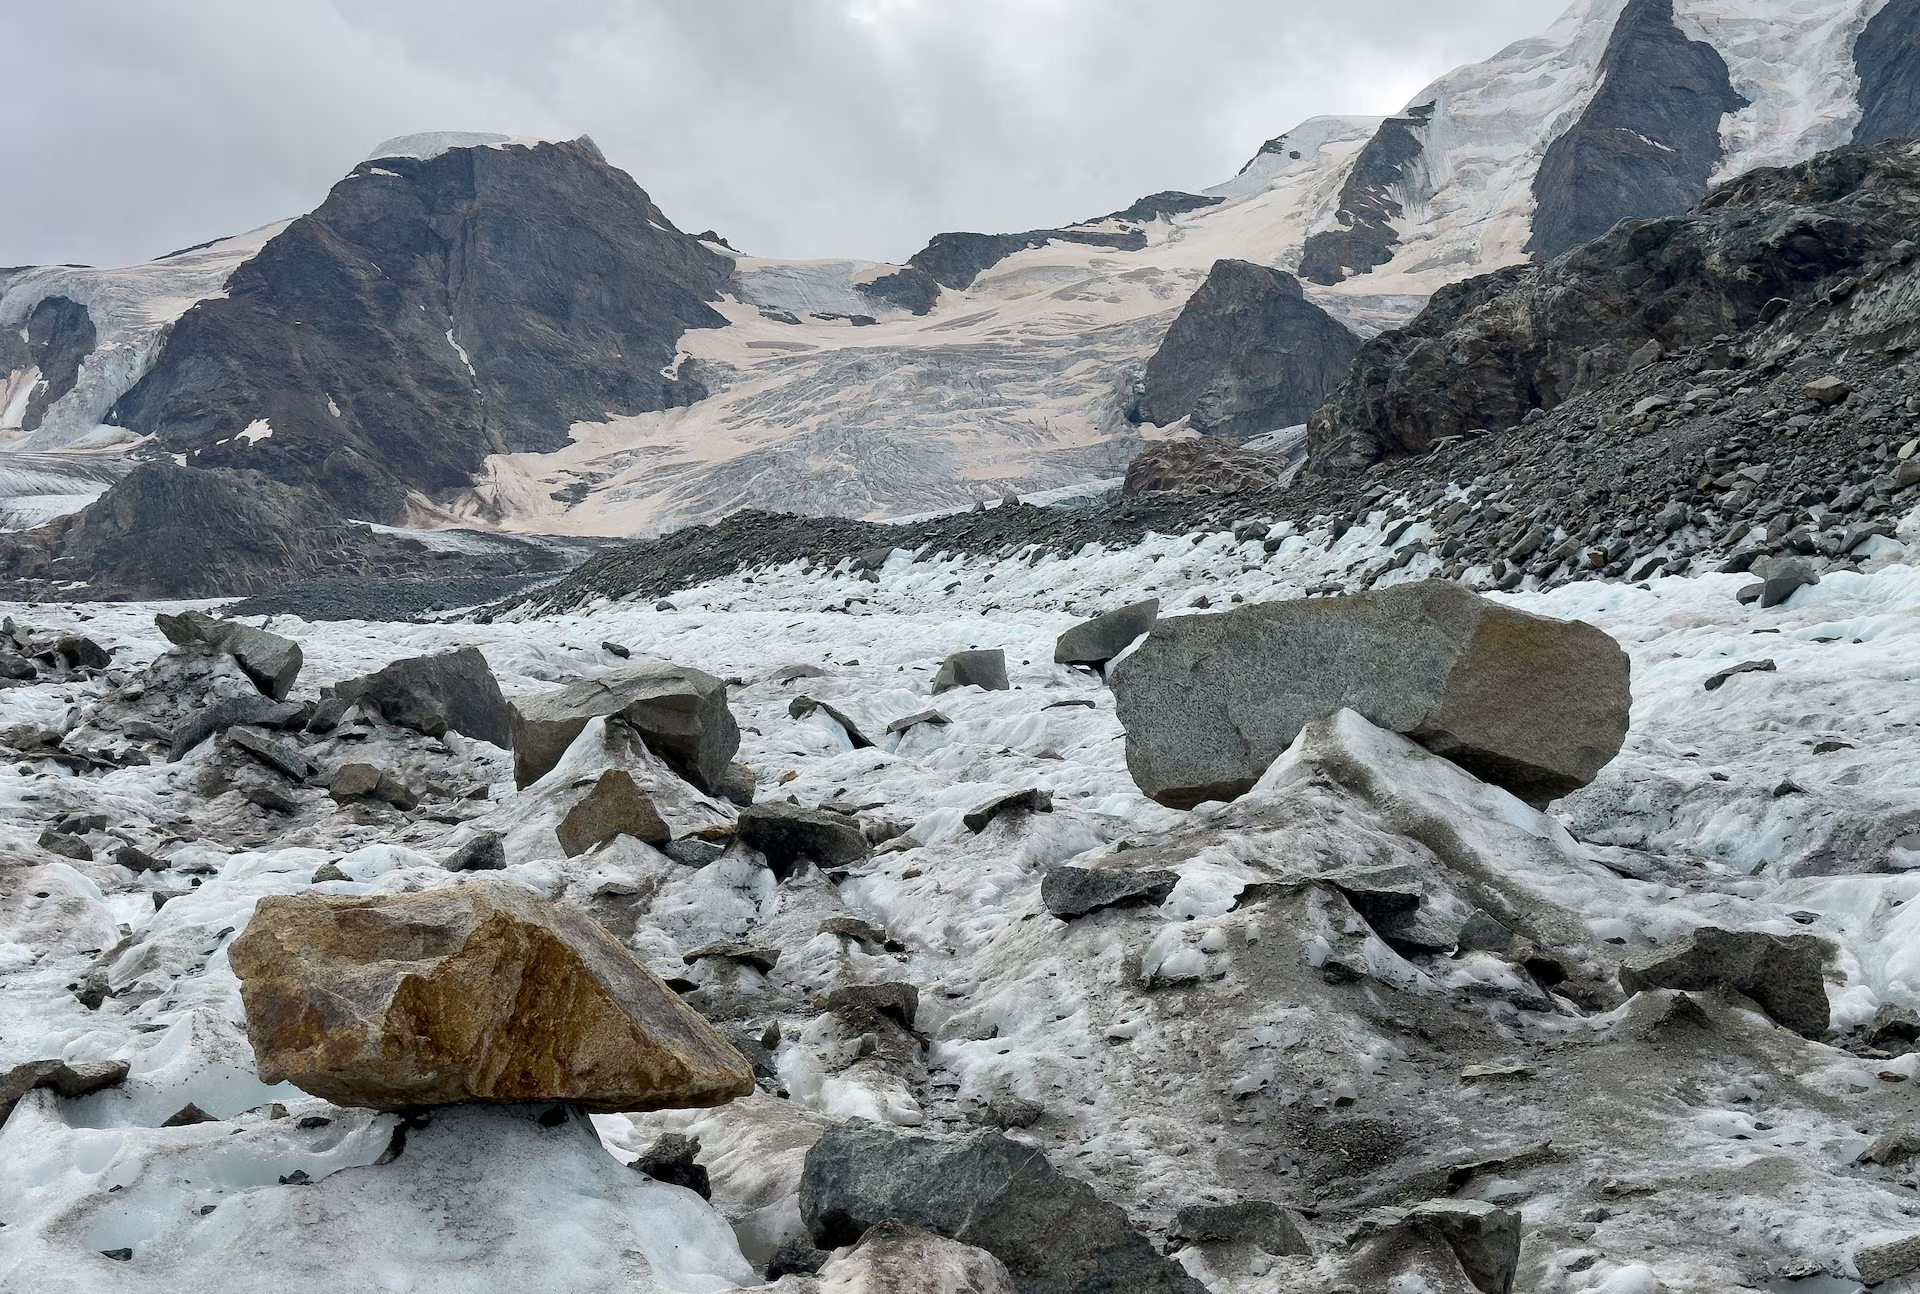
432,694
1095,642
1535,705
1783,974
272,662
681,713
788,833
1054,1235
984,668
894,1258
482,992
614,807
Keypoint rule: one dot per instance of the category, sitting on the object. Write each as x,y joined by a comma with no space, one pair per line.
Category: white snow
256,431
426,146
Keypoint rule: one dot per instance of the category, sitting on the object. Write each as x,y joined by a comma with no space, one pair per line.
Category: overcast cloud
794,127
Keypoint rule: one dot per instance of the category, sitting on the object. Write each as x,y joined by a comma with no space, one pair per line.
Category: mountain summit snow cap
430,144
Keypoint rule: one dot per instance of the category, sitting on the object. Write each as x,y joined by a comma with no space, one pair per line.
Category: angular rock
15,666
1828,390
81,653
480,992
681,714
1896,1145
917,718
1719,680
672,1158
272,662
985,668
738,785
894,1258
486,852
692,851
898,1001
761,959
1054,1235
1878,1264
67,846
614,807
1071,892
281,756
787,833
1259,1222
1782,974
1781,579
135,859
71,1080
353,782
1484,1237
252,711
1893,1027
802,706
1030,800
432,694
1100,639
330,713
1201,465
1535,705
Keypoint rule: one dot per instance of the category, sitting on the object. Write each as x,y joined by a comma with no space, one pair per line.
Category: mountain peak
430,144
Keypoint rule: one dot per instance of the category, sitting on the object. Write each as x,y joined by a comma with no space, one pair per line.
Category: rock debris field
882,926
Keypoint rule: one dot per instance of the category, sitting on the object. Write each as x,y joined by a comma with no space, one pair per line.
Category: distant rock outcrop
1248,354
58,335
1201,465
1369,204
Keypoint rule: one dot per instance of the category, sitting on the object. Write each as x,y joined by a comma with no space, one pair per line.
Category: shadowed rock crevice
1369,204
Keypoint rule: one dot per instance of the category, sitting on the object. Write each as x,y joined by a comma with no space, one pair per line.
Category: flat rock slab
1071,892
1031,800
680,712
1783,974
804,706
478,992
1099,640
788,833
70,1079
252,711
434,694
1535,705
984,668
272,662
282,757
614,807
1261,1222
1052,1232
917,718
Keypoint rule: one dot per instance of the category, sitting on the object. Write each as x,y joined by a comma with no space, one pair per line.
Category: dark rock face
1052,1232
59,334
1200,465
1782,973
1886,57
956,260
788,833
1487,351
1071,892
1170,203
984,668
1647,143
1248,354
1535,705
430,313
431,694
909,288
1367,204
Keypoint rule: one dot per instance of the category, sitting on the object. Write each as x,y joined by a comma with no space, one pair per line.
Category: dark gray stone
1886,58
434,694
672,1158
59,842
917,718
984,668
1030,800
251,710
486,852
1099,640
1054,1235
1782,578
1071,892
1782,974
787,833
282,757
691,851
70,1079
680,713
1535,705
899,1002
136,859
272,662
1271,1226
802,706
1718,681
1247,354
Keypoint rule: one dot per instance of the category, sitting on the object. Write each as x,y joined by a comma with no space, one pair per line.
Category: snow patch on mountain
427,145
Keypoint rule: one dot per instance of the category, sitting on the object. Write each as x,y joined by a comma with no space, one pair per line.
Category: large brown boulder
681,714
1535,705
480,992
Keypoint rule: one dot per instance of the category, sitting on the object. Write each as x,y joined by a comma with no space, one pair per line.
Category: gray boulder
1071,892
434,694
1781,578
486,852
1260,1222
1783,974
614,807
787,833
803,707
272,662
681,713
253,711
1054,1235
70,1079
1030,800
1535,705
1100,639
985,668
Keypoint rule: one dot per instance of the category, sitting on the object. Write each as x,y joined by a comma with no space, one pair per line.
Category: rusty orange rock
480,992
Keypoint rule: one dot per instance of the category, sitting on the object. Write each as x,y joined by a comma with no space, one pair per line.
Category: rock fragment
228,712
272,662
71,1079
1537,706
899,1002
455,691
1782,974
1029,800
1071,892
1097,641
803,706
282,757
985,668
614,807
486,852
1261,1222
788,833
480,992
917,718
1719,680
680,713
1878,1264
672,1158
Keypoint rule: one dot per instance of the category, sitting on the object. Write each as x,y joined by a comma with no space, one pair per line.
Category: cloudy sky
794,127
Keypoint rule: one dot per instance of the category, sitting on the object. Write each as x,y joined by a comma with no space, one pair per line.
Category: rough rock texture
1247,354
1535,705
1100,639
58,335
1054,1235
1365,235
479,992
1201,465
272,662
984,668
894,1258
1272,1227
1487,351
787,833
430,313
680,712
1782,973
70,1080
614,807
1886,58
1071,892
1648,140
432,694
